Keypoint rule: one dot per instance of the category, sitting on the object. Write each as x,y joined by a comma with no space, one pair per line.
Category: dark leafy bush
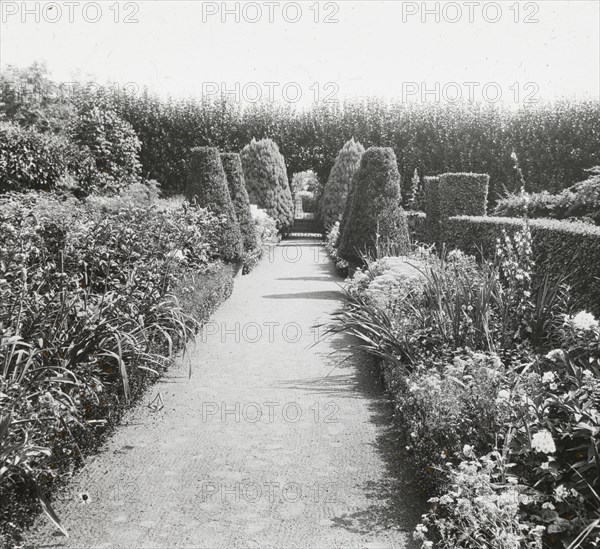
463,194
232,165
560,249
31,160
267,182
376,218
337,188
207,187
113,144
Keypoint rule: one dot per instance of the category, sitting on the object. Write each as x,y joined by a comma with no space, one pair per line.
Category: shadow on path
396,502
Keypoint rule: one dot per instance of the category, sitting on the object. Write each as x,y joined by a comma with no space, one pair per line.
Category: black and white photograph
300,274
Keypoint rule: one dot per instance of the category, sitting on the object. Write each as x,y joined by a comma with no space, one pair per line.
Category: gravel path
269,444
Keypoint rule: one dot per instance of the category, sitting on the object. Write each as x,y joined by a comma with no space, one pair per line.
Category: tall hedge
560,248
431,207
207,187
337,188
463,194
375,215
232,164
267,181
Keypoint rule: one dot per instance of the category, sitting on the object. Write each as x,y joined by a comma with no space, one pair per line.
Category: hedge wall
463,194
431,207
560,249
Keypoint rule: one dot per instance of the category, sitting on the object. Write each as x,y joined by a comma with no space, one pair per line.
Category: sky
299,52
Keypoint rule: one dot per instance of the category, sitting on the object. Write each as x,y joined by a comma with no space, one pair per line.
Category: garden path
318,468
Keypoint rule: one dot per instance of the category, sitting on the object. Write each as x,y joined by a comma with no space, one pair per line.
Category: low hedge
560,249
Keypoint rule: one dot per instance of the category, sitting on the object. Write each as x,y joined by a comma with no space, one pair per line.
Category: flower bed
96,299
497,389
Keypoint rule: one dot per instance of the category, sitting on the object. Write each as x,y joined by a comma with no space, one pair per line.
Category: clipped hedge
431,207
463,194
560,249
207,187
232,164
337,189
376,216
267,181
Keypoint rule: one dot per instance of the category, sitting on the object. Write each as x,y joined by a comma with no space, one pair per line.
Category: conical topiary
232,164
375,216
207,187
337,188
267,181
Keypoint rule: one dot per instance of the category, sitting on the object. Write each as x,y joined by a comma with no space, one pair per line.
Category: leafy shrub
376,216
267,182
337,188
463,194
30,160
561,250
113,144
207,186
232,165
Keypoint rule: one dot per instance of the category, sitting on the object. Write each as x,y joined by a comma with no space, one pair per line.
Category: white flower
548,377
468,451
548,506
561,492
584,321
543,442
503,396
555,354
